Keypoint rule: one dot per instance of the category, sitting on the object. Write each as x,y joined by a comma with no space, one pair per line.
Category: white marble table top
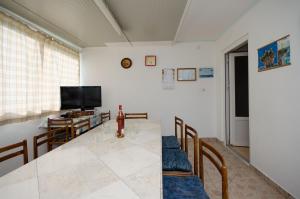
94,165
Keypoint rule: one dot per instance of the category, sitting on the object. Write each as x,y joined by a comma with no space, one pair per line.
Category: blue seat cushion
188,187
175,160
170,142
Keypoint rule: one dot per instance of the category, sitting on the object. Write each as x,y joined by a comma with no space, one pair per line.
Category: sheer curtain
60,68
32,69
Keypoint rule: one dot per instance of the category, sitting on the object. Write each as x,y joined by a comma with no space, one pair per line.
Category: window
32,69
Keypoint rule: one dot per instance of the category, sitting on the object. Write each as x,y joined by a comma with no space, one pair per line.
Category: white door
239,126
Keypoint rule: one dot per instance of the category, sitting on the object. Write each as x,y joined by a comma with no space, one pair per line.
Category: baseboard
273,184
266,178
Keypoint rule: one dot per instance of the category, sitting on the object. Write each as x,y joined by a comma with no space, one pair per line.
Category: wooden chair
218,161
87,113
136,115
68,122
76,114
73,114
193,186
104,117
50,137
23,152
176,162
191,133
59,123
171,142
80,125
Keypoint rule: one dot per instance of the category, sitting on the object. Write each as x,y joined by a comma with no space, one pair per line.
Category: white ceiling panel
82,22
148,20
79,21
208,19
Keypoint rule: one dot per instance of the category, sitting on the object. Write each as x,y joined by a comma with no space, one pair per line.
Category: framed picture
150,60
186,74
168,78
274,55
206,72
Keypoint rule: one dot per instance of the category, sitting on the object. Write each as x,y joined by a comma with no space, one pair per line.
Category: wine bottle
121,122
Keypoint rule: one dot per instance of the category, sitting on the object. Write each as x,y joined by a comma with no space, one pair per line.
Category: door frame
225,94
231,95
228,47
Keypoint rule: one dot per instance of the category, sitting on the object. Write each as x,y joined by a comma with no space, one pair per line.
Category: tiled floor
242,151
244,182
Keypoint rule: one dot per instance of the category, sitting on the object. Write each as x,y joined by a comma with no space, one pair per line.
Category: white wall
139,88
274,95
13,133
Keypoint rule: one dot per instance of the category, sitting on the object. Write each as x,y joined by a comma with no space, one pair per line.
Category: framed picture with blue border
275,54
207,72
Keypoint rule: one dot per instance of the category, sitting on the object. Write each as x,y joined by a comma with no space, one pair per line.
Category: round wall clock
126,63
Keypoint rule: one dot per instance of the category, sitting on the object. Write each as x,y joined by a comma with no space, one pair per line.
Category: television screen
91,96
70,97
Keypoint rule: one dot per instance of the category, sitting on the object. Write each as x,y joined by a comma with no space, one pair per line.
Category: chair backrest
179,124
80,124
76,114
218,161
73,114
48,138
23,152
86,113
189,132
59,122
104,116
136,115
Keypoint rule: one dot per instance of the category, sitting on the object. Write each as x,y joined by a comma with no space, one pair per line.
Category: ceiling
148,20
82,22
79,21
206,20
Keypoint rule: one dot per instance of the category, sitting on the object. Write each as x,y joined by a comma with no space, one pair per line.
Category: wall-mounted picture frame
150,60
168,78
207,72
274,55
186,74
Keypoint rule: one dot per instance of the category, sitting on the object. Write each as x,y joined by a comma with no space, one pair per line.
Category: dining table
95,165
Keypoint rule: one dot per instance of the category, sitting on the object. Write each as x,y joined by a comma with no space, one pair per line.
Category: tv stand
76,114
87,109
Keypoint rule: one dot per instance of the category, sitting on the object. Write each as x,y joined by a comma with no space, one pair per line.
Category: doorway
237,101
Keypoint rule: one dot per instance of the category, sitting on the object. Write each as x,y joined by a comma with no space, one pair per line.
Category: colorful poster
274,55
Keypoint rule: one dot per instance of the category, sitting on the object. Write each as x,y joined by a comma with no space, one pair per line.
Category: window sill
28,118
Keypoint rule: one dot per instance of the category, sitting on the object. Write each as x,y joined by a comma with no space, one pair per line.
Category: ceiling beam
184,14
110,18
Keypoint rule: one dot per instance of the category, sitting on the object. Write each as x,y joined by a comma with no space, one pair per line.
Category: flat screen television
70,97
91,97
84,97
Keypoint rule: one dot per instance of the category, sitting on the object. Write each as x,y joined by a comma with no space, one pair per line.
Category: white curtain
60,68
32,69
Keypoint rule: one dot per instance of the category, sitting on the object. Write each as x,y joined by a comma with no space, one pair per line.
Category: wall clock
126,63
